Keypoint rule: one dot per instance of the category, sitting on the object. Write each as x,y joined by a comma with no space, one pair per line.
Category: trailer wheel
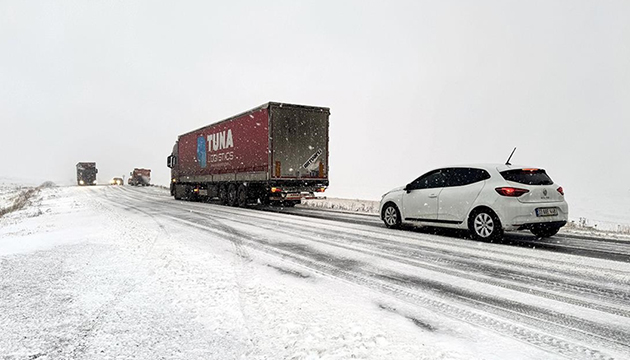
231,195
223,197
242,195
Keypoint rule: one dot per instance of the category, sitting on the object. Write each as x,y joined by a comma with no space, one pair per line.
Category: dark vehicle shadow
520,239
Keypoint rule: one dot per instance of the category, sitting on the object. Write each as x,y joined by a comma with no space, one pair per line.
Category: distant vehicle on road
86,173
485,199
140,177
276,153
116,181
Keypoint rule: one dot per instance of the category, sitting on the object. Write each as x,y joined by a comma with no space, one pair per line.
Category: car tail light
276,190
321,189
560,190
510,191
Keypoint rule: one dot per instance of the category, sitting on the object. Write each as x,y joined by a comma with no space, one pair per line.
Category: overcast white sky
412,85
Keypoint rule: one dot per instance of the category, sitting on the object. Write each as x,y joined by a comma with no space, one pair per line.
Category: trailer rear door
299,142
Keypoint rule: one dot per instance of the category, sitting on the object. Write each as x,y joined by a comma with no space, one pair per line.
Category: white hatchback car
485,199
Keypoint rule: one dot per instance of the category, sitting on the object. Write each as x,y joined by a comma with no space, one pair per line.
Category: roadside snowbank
351,205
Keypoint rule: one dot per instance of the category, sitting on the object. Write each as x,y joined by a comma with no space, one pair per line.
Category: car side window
434,179
465,176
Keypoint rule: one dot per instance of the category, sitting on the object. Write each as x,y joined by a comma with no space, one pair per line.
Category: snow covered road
120,272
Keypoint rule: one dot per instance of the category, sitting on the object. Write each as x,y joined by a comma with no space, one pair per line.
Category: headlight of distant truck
94,182
81,182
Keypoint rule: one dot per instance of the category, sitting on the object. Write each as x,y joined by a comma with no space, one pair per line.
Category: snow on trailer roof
261,107
86,164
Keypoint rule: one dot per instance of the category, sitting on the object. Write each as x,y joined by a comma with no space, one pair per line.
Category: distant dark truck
86,173
140,177
276,153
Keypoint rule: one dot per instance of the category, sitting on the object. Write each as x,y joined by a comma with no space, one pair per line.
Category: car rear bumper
516,215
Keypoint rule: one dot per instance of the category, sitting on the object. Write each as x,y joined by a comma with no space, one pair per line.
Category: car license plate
552,211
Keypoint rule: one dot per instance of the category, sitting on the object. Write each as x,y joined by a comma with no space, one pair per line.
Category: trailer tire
231,195
243,195
188,193
263,198
223,197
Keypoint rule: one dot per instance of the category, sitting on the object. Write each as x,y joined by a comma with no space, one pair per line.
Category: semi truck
140,177
276,153
86,173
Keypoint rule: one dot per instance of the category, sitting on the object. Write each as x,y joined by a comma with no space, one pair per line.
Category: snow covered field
119,272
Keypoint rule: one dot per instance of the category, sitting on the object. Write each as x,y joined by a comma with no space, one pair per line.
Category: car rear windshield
527,176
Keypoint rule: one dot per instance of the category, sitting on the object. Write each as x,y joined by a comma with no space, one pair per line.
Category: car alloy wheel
391,216
484,226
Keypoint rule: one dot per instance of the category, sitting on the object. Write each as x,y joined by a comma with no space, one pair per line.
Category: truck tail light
510,191
276,190
560,190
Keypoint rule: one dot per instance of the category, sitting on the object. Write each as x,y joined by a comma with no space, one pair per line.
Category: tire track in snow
507,270
318,264
321,265
605,248
412,236
498,276
94,323
243,256
505,306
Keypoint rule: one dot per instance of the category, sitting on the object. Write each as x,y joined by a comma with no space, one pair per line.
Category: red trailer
274,153
140,177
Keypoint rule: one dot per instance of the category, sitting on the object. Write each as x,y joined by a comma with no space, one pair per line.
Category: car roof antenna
508,160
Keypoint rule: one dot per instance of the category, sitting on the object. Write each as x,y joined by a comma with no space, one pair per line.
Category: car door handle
432,196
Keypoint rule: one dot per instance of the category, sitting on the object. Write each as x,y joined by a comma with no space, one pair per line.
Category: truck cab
86,173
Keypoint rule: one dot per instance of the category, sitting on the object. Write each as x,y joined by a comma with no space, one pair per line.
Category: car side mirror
408,188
